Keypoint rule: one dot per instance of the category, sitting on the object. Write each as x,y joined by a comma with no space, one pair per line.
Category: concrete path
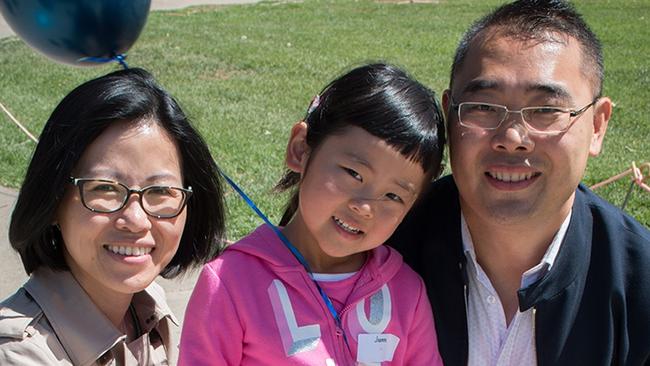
5,30
13,274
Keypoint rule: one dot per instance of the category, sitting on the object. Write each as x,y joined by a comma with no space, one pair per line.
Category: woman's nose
132,216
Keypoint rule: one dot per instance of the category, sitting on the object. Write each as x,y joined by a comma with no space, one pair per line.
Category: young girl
321,289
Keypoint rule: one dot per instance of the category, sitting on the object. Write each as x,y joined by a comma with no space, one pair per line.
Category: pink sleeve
212,333
422,346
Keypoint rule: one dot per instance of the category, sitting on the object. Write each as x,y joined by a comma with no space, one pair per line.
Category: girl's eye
394,197
353,174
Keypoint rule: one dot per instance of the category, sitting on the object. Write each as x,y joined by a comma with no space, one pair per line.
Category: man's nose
513,135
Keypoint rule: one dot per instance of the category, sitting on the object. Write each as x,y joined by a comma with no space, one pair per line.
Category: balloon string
121,59
18,123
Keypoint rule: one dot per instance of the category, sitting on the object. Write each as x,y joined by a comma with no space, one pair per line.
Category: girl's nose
362,207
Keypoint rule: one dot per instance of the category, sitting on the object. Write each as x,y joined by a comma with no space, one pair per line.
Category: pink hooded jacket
256,305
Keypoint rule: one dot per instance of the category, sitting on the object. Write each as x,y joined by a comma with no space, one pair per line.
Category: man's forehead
493,41
498,61
498,44
526,38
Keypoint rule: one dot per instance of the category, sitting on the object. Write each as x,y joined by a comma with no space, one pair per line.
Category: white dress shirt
491,341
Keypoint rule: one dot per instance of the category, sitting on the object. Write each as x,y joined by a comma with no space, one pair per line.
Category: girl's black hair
387,103
126,95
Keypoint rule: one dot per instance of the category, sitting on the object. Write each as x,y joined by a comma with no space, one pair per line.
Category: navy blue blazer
592,308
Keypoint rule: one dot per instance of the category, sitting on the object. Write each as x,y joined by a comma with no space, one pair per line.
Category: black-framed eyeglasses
542,119
107,196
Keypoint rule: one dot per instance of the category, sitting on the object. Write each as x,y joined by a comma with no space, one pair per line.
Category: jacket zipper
340,333
343,341
344,350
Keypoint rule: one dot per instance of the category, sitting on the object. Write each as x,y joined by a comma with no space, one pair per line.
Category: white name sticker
376,347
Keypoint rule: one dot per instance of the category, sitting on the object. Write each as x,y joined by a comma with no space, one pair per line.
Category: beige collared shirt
51,321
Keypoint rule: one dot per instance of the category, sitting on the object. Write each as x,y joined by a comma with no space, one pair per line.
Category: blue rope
290,246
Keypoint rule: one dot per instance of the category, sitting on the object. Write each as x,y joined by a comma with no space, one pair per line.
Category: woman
121,188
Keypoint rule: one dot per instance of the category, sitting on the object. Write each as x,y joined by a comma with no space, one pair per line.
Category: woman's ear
297,148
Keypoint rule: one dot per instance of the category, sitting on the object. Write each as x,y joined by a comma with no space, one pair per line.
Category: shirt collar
536,272
83,330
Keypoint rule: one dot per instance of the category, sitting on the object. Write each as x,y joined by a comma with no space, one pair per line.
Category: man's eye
394,197
353,174
547,110
481,108
485,107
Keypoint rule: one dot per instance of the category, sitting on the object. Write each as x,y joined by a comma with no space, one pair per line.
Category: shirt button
491,299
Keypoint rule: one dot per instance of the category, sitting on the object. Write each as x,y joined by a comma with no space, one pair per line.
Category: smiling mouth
128,251
512,177
346,227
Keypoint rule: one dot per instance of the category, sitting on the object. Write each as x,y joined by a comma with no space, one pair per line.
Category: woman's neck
114,305
130,325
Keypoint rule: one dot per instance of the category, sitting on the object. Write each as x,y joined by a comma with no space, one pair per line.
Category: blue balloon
78,32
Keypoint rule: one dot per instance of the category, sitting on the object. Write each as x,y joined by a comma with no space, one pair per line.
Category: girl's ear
297,148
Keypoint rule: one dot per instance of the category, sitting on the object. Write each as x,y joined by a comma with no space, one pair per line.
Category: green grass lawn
246,73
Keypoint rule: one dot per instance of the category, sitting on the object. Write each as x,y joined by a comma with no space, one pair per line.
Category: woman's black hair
387,103
127,95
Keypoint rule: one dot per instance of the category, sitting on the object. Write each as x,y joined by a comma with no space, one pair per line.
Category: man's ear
602,114
297,148
446,102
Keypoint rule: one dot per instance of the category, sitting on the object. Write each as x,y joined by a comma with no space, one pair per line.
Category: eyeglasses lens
487,116
109,197
163,201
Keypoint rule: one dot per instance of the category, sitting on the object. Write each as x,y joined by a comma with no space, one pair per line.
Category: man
523,264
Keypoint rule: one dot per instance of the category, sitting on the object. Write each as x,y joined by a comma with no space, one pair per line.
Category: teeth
129,251
347,227
510,177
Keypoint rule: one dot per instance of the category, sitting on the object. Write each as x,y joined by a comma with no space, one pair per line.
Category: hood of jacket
382,262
